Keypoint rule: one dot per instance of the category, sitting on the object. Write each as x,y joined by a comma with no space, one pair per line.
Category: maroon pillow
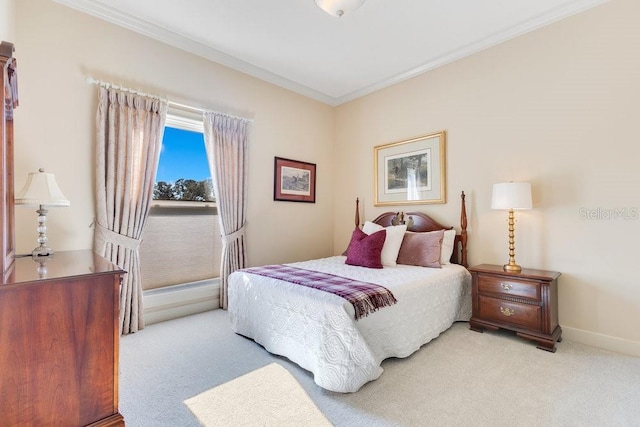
421,249
364,250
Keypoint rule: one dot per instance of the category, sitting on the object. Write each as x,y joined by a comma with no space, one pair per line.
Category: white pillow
448,242
391,248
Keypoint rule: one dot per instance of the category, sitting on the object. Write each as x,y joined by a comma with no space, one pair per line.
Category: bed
318,331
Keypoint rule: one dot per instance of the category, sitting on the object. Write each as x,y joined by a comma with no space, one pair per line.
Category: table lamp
511,196
41,190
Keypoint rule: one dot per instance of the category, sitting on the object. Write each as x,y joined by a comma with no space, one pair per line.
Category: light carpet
462,378
269,396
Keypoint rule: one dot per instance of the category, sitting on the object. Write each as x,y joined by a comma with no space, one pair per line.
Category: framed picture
410,172
294,181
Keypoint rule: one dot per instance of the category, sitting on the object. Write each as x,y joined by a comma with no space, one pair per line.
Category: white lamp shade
41,189
339,7
511,195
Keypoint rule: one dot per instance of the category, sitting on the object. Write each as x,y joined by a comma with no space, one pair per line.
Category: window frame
183,120
180,208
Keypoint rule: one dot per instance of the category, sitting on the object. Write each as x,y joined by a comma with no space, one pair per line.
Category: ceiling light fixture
339,7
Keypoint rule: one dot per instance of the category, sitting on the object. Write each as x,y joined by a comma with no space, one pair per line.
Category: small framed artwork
410,172
294,181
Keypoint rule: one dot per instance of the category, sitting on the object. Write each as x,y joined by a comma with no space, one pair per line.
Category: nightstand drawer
504,286
525,315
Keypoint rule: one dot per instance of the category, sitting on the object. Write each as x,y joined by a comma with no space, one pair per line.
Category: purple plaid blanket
365,297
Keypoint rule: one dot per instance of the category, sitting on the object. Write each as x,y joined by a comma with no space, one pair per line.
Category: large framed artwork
294,181
410,172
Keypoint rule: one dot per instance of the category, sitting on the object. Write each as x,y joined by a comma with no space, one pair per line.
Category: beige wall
557,107
58,48
7,14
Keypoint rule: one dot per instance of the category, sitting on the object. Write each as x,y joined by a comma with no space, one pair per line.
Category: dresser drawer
524,315
506,286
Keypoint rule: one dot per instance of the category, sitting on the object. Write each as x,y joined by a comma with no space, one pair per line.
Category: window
181,240
183,170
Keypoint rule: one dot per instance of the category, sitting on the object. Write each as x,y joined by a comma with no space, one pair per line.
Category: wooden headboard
420,222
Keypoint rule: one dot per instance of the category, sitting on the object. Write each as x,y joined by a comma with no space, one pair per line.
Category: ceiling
296,45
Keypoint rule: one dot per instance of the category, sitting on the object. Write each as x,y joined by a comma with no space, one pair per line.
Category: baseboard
606,342
181,300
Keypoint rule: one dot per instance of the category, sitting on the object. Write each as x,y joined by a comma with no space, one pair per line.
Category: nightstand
525,302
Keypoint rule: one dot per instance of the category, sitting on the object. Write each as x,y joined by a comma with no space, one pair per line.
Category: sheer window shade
180,245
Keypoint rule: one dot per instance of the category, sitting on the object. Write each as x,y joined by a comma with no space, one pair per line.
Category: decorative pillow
447,246
421,249
365,250
395,234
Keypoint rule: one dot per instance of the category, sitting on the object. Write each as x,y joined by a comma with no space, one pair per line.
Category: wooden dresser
525,302
59,342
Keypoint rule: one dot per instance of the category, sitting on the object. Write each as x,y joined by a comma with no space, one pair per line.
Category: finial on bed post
357,212
463,232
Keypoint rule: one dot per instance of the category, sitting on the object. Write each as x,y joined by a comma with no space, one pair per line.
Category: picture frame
294,181
411,172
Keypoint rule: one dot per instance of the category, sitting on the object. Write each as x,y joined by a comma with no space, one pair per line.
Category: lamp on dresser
511,196
41,190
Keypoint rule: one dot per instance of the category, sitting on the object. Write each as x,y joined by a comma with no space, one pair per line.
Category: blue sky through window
182,156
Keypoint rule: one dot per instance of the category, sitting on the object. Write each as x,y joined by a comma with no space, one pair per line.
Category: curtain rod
108,85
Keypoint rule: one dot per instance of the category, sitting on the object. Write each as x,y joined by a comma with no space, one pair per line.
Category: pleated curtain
226,141
128,141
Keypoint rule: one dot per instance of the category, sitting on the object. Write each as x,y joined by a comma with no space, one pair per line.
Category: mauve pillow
421,249
365,250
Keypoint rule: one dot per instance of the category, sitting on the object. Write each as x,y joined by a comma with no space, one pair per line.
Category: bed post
463,232
357,212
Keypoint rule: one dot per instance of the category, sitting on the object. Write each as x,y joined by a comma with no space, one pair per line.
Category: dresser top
526,273
59,265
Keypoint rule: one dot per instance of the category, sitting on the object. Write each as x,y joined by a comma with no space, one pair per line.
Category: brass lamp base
511,267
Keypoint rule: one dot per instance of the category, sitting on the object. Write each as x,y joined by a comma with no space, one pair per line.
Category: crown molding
555,15
187,44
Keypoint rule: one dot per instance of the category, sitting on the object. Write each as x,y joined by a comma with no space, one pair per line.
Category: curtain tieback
233,236
110,236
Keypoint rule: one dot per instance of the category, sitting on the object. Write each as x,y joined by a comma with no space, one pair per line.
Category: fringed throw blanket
365,297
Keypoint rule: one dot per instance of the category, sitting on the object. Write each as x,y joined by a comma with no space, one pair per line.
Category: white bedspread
317,330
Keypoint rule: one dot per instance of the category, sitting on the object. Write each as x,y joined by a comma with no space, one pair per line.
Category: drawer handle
506,286
507,311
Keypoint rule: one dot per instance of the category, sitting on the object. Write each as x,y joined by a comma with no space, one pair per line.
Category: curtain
226,144
128,141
